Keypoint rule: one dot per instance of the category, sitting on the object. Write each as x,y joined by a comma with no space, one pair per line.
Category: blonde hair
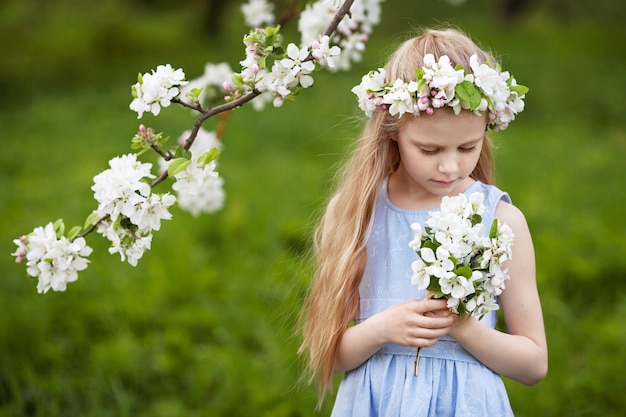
341,236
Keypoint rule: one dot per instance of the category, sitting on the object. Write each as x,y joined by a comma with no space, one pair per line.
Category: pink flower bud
278,101
227,86
429,110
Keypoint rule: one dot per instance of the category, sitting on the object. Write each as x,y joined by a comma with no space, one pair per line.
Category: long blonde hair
341,236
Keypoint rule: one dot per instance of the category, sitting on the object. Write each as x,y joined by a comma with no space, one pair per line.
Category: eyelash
434,152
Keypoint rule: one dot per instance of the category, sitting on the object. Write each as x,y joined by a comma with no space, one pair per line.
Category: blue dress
451,382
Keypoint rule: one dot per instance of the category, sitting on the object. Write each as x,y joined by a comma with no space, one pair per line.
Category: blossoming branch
333,34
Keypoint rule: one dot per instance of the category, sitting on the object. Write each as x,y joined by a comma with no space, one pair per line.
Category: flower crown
439,84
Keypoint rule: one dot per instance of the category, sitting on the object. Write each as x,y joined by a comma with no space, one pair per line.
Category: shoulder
508,213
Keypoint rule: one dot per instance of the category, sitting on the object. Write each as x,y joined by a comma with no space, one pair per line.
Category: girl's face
438,153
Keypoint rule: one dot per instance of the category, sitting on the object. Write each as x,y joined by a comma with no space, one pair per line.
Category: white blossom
468,267
258,12
324,53
156,89
400,98
297,67
199,188
370,83
128,210
211,82
55,261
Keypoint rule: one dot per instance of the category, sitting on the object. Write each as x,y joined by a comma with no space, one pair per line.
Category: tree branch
208,113
341,13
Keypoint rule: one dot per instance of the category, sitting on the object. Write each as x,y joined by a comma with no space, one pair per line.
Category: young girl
425,139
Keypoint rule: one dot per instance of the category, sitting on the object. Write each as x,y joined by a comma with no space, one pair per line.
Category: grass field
204,326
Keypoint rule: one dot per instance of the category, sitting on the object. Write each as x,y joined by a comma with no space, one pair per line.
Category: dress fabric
450,381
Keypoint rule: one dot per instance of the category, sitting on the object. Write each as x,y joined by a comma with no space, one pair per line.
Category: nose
448,164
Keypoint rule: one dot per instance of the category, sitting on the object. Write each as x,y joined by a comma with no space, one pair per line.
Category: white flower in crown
441,78
366,92
399,99
490,81
439,84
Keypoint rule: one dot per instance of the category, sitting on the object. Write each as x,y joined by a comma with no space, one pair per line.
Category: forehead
443,126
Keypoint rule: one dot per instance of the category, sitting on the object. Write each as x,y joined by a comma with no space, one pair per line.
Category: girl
425,139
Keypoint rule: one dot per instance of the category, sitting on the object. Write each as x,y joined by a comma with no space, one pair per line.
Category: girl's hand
415,322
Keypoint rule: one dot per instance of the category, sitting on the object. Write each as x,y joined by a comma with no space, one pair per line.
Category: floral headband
439,84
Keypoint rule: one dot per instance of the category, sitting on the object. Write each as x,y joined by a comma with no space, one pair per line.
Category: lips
444,183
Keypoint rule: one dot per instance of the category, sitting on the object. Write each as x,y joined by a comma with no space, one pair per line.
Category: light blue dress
450,382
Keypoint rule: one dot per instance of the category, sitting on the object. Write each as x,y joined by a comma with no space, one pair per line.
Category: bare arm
522,352
410,323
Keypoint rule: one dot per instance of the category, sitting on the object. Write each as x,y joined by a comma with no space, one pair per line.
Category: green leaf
493,232
195,93
464,271
209,156
181,152
421,85
177,165
91,220
431,244
467,91
433,285
237,79
74,232
59,227
520,89
475,219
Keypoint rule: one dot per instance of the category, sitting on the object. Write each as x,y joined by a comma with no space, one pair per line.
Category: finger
434,305
436,322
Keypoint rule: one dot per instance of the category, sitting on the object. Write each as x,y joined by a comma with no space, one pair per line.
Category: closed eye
467,149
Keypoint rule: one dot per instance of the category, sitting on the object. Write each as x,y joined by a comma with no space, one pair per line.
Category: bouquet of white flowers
457,261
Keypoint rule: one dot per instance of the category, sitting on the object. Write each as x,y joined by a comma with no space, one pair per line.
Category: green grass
204,326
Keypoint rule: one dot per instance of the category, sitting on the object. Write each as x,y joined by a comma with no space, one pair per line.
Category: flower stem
417,359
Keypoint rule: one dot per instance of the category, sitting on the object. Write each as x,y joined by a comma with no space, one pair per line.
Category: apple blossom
455,261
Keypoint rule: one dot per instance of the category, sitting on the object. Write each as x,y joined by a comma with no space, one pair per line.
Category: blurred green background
204,326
